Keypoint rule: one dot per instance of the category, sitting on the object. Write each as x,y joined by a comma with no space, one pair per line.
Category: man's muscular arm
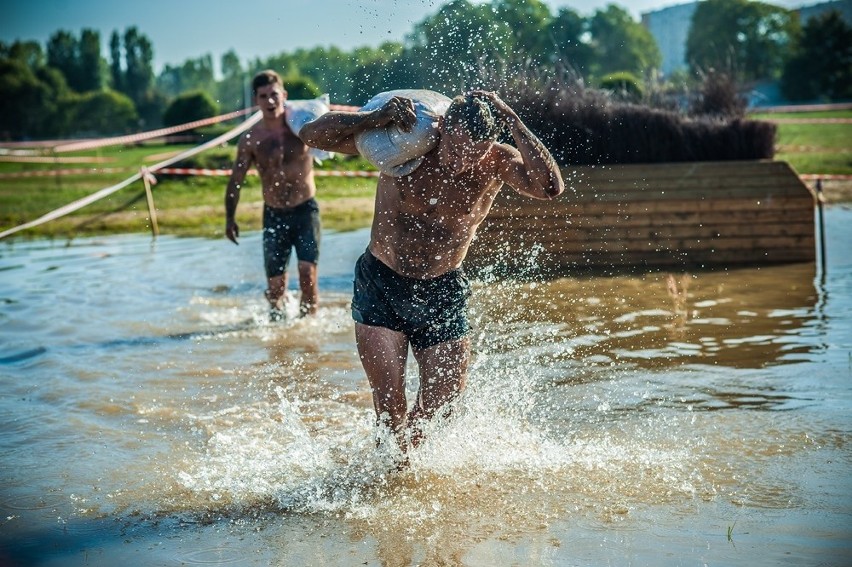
335,131
531,169
235,182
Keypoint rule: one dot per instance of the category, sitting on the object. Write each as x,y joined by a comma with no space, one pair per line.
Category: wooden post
147,179
821,225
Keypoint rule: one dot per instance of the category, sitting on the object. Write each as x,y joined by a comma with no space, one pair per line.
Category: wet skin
423,225
287,178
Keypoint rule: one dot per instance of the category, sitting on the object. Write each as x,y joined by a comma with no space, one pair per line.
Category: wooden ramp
692,214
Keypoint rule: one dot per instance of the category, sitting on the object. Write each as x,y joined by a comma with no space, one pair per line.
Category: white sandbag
297,113
394,151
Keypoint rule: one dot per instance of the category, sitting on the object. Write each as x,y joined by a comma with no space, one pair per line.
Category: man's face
270,99
457,151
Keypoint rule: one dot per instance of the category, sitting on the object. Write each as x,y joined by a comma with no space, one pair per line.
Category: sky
184,29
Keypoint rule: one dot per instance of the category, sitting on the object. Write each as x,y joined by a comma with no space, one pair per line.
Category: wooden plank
541,234
708,189
532,208
660,219
690,181
658,214
759,242
546,262
745,168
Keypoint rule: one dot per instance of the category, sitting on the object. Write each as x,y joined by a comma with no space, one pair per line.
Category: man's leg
276,288
443,375
309,287
383,353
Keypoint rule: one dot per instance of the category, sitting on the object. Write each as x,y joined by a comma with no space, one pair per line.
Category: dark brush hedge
584,126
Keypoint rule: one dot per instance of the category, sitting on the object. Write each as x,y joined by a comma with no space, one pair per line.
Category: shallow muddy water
151,415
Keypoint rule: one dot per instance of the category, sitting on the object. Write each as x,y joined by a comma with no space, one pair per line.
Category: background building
670,28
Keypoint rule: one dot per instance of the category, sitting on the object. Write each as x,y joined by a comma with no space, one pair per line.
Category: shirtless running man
409,285
290,211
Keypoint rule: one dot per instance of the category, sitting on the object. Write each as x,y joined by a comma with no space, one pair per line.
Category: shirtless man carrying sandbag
409,285
291,218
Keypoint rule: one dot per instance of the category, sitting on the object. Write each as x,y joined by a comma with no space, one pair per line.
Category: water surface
150,414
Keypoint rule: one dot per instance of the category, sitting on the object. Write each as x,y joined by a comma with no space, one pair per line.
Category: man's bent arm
335,131
537,175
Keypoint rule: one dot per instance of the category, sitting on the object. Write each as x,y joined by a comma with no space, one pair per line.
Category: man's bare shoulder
499,156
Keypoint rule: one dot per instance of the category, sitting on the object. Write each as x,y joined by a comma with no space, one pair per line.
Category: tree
138,68
79,61
300,88
567,47
528,21
29,53
376,70
330,68
821,64
747,40
92,71
189,107
191,75
104,113
62,55
132,73
33,100
624,85
231,90
621,44
116,69
449,47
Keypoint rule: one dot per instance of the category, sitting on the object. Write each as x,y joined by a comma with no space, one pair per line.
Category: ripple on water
33,501
212,556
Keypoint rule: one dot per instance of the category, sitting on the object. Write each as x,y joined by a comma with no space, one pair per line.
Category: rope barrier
146,173
227,172
133,138
80,203
172,171
62,147
75,171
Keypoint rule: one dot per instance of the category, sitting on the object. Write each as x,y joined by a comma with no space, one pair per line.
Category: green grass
195,205
185,205
814,148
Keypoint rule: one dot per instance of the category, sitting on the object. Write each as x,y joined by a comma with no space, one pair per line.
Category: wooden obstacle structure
617,218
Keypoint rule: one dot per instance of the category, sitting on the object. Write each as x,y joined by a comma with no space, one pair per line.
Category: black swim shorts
284,229
428,312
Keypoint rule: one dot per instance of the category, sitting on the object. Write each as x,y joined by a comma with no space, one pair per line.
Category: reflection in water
157,412
739,318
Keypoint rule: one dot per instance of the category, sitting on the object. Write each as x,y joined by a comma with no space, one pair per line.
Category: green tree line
68,88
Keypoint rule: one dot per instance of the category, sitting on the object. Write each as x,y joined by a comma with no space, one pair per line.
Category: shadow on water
134,341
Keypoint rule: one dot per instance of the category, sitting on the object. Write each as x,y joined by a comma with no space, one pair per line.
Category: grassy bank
194,205
814,147
186,205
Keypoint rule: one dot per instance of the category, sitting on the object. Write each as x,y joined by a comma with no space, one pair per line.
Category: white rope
80,203
132,138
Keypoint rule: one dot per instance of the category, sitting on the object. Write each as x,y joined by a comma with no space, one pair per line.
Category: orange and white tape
74,171
78,145
80,203
226,172
171,171
141,136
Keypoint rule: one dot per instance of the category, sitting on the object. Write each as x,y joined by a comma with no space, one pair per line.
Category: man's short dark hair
267,77
474,115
